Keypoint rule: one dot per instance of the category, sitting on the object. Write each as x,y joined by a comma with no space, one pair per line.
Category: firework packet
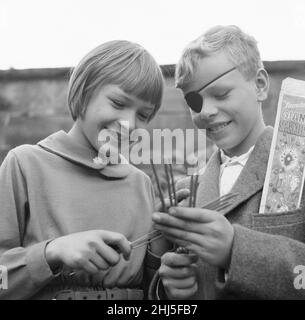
283,185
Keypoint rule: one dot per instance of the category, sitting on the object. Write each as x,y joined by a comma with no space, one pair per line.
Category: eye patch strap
221,75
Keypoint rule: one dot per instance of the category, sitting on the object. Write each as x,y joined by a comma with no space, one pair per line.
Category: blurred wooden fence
33,102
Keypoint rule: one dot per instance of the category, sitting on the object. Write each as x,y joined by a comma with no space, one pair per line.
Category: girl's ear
262,84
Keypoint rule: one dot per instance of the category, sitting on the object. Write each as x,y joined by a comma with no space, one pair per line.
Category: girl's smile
113,110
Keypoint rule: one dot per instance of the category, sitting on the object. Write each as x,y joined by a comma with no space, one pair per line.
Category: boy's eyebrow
218,77
219,86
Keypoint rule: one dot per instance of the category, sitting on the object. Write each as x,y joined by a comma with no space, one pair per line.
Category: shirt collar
61,144
242,159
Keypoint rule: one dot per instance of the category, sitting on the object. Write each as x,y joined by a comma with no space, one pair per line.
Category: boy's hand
90,251
178,275
204,232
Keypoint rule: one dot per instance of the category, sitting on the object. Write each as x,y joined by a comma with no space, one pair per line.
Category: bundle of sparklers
218,204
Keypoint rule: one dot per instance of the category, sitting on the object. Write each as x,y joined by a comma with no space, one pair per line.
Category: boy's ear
262,84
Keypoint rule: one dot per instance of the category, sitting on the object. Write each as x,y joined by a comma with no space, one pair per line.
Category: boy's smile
217,127
231,111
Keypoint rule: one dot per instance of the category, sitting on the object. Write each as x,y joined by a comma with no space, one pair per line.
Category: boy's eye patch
195,100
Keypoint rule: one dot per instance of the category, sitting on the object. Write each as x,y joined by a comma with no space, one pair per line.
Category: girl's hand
90,251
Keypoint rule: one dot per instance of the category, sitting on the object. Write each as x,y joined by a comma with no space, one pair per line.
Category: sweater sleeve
27,268
265,266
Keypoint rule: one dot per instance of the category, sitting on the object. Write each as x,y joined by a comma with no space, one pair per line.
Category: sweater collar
61,144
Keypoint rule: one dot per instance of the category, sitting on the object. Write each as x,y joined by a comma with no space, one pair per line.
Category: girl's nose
129,120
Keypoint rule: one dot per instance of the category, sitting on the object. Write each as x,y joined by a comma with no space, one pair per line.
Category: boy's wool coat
266,247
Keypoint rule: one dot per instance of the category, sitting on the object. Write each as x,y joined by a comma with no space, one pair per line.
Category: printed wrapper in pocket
283,185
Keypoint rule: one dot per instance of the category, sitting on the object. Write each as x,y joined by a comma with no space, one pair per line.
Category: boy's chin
221,143
227,146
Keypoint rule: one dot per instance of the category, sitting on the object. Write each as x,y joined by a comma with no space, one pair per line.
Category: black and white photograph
152,153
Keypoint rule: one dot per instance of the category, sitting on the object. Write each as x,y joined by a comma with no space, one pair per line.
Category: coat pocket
289,224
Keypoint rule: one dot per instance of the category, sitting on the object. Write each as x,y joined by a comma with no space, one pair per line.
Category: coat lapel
208,188
250,181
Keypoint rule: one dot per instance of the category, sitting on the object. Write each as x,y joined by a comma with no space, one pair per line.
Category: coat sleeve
265,266
27,269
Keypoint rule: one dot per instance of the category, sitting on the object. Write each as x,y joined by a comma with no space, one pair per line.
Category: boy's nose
208,109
